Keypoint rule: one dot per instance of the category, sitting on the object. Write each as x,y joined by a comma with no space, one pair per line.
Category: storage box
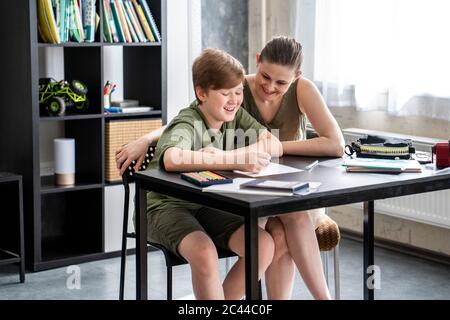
120,132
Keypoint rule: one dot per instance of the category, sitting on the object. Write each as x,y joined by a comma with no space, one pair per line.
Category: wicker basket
120,132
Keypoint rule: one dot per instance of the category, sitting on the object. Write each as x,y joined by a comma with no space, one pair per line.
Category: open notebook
382,165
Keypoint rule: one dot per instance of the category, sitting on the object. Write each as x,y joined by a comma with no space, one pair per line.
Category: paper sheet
272,169
235,188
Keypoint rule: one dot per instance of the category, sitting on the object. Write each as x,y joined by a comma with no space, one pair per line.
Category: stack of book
127,106
381,165
67,20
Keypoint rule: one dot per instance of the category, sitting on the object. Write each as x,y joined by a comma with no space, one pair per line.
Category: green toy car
57,97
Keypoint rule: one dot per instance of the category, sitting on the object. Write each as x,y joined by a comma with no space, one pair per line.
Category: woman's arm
135,150
330,141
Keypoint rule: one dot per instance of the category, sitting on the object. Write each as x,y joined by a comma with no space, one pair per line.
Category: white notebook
272,169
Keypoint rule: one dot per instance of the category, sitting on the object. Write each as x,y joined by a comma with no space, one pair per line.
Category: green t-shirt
189,131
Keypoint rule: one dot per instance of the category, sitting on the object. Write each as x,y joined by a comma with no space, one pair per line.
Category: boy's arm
266,142
180,160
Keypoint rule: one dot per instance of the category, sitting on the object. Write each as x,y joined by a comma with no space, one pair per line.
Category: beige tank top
289,120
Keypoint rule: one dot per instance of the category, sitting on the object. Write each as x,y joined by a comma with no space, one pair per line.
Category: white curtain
391,55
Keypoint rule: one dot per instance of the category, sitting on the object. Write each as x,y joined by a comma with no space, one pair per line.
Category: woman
280,98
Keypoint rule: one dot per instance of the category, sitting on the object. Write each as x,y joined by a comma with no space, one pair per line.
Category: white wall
183,45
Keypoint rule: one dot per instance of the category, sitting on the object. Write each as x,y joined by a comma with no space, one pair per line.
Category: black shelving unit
65,225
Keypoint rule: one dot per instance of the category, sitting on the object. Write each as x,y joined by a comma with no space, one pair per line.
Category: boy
202,137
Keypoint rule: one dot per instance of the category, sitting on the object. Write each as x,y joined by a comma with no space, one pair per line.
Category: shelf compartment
88,135
48,185
72,224
142,75
84,64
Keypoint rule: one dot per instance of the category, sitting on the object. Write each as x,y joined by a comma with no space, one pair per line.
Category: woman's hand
134,150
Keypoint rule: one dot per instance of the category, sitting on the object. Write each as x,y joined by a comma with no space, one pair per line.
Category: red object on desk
442,151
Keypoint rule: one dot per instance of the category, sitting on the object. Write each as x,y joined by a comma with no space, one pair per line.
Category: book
118,25
125,103
382,165
275,185
272,169
136,109
143,21
89,19
205,178
150,20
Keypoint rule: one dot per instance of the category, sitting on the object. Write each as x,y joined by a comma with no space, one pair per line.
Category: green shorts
169,226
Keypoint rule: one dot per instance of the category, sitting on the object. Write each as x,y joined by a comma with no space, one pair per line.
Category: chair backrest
128,175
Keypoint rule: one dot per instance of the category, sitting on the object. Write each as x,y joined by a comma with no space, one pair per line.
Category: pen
312,165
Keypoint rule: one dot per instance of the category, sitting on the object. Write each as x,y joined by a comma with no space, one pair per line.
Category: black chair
171,259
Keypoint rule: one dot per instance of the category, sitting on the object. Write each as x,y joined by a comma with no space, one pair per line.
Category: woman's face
272,80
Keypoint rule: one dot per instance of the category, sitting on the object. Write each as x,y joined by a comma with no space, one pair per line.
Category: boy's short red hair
216,69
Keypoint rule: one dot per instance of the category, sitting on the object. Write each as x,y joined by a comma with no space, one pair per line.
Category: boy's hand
252,161
134,150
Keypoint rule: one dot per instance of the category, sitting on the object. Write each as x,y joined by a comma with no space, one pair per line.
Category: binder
143,20
150,20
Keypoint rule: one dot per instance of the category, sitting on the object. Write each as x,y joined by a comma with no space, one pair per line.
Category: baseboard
399,247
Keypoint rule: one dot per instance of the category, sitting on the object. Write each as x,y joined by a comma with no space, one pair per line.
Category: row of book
128,21
67,20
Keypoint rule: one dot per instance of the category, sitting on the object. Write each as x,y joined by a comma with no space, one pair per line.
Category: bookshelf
66,225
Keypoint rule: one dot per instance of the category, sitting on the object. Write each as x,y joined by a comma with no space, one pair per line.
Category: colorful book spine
47,22
78,22
143,20
115,14
107,35
89,19
150,19
134,37
135,21
110,22
123,22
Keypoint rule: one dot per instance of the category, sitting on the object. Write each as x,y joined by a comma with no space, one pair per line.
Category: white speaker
64,157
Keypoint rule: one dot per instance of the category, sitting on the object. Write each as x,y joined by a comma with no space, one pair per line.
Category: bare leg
280,274
304,249
199,250
234,283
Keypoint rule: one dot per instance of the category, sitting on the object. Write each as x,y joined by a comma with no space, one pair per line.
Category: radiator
430,208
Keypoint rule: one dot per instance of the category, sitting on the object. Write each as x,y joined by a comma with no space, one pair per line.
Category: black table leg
368,248
21,240
141,242
251,257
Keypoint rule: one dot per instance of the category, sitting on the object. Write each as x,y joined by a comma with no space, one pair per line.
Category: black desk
11,222
338,188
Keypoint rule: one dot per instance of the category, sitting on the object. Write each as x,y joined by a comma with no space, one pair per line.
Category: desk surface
338,187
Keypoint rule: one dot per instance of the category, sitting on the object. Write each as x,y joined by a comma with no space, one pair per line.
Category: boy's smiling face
219,106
